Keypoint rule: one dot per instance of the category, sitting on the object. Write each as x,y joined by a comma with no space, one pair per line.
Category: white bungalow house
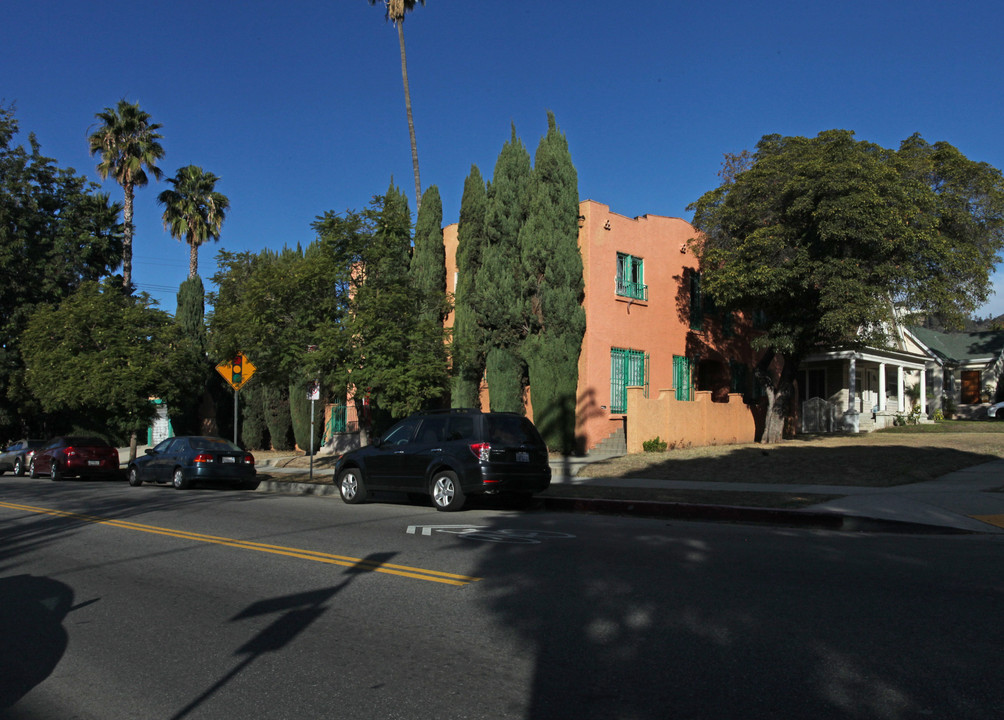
964,370
859,390
864,389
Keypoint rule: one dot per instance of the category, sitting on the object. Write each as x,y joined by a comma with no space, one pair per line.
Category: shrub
654,445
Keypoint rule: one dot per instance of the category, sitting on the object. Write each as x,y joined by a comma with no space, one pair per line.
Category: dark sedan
16,457
75,456
188,459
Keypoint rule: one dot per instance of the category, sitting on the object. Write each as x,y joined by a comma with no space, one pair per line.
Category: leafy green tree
127,143
98,357
395,12
57,224
553,290
193,210
468,345
273,306
499,284
830,236
387,362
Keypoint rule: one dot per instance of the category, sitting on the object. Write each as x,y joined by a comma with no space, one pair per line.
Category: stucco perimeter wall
681,423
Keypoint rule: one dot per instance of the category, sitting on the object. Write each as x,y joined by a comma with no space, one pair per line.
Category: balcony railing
637,291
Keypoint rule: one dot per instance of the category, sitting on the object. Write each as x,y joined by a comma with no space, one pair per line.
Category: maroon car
75,456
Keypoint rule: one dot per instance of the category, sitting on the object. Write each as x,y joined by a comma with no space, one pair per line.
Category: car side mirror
150,451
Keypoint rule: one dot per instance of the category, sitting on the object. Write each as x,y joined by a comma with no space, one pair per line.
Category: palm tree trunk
127,239
193,260
411,121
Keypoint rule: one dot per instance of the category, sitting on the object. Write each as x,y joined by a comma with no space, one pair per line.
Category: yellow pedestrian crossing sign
236,371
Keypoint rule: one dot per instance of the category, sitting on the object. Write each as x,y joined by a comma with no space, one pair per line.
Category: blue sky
298,106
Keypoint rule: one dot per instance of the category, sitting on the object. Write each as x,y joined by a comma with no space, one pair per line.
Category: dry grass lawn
879,459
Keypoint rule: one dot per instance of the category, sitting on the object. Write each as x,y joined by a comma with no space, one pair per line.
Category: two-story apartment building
646,325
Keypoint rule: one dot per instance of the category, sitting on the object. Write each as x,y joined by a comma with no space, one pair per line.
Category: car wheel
134,479
351,486
446,493
179,481
18,467
249,484
54,473
31,469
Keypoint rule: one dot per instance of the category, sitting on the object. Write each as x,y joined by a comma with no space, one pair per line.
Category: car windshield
85,441
511,430
212,443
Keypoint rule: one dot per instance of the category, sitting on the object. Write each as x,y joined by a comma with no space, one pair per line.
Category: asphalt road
119,602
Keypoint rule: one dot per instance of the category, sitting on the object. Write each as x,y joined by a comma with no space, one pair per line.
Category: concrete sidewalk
970,500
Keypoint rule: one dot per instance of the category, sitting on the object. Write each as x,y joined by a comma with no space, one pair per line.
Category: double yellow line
359,564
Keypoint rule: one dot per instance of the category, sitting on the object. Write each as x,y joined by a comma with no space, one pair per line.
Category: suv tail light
249,459
203,458
481,450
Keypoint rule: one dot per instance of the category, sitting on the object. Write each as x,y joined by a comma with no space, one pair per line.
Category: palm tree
193,210
127,143
395,12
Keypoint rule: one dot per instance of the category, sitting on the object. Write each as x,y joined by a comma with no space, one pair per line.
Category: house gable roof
962,347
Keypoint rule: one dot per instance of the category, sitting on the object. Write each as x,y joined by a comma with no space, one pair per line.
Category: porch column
852,384
923,392
881,402
899,388
851,416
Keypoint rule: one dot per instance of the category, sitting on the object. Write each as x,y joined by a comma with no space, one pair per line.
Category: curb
679,511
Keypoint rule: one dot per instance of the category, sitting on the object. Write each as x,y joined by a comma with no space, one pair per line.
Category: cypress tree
391,358
198,369
468,338
553,289
299,412
428,259
499,286
254,431
275,405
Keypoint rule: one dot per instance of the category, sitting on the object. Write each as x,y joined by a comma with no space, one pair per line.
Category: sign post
236,371
313,394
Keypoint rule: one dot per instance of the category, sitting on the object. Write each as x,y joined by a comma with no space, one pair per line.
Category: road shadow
32,637
649,621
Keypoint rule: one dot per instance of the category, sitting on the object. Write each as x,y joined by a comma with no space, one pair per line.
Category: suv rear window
511,430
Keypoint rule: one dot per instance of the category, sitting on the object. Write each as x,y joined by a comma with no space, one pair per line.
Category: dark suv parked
449,455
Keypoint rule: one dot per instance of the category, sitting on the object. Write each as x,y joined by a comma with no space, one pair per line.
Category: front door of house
970,387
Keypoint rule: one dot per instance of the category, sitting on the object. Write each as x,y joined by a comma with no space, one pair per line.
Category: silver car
16,457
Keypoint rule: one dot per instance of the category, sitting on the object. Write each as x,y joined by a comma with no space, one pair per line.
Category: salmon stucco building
656,357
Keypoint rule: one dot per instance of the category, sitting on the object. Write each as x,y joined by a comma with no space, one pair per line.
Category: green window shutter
728,324
696,309
618,386
631,277
682,377
740,377
337,423
627,368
